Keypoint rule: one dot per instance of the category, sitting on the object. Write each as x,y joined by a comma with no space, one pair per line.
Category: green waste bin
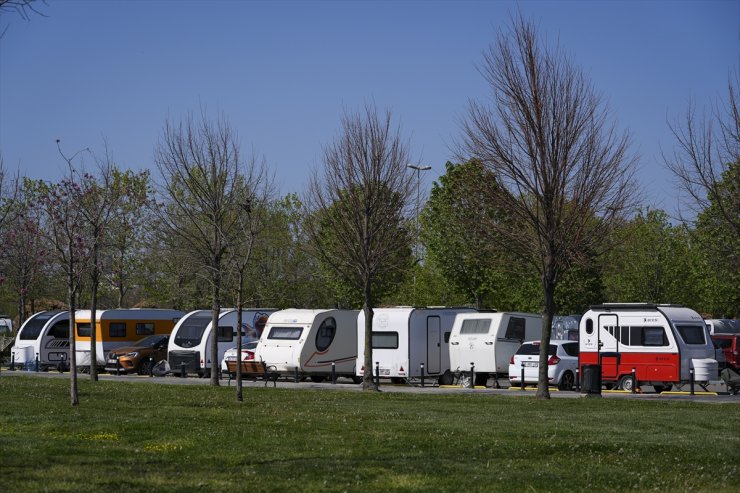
591,381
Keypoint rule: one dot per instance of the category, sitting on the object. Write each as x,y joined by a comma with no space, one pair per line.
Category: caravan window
515,329
692,334
325,334
60,330
145,328
653,336
285,333
118,329
83,330
385,340
225,334
33,327
191,331
475,326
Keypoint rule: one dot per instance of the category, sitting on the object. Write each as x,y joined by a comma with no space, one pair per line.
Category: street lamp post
418,170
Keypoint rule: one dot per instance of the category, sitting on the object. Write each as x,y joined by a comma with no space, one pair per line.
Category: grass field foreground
148,437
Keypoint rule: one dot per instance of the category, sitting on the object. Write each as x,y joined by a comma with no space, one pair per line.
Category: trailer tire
317,378
446,378
481,379
356,380
662,388
567,381
625,383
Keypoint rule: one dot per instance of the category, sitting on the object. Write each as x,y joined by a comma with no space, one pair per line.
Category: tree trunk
239,322
94,278
367,308
74,395
215,312
548,284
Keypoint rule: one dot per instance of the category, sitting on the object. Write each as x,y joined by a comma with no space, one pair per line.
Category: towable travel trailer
488,340
190,342
305,343
662,343
117,328
46,335
404,338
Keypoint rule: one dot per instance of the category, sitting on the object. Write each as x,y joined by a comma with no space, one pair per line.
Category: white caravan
45,334
661,343
190,342
302,343
404,338
488,340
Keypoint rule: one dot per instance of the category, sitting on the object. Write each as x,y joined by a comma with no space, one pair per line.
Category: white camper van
190,342
488,340
46,335
404,338
302,343
662,343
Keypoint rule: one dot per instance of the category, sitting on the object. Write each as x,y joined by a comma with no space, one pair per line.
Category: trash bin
591,381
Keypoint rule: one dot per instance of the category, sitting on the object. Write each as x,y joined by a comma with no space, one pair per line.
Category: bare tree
706,148
65,229
252,220
24,8
358,207
561,170
199,164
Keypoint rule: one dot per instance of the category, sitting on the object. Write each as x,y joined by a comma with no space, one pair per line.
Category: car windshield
532,349
150,341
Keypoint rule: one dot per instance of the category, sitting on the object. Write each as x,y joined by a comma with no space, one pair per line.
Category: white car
561,367
248,349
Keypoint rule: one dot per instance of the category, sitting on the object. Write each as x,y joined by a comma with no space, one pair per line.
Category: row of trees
539,215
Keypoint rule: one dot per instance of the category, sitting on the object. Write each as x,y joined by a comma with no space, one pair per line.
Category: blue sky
282,72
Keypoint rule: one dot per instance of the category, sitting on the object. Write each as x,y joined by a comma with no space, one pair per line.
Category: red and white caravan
662,343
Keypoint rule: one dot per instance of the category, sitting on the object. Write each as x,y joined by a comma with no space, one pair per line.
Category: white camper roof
295,316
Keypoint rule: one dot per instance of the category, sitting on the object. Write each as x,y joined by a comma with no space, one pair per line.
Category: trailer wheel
317,378
662,388
567,381
356,380
625,383
446,378
481,379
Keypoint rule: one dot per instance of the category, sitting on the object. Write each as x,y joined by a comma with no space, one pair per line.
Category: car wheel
625,383
144,366
567,381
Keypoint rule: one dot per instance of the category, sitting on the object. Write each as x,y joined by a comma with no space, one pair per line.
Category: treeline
141,265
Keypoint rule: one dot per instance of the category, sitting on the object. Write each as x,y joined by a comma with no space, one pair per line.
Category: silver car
561,366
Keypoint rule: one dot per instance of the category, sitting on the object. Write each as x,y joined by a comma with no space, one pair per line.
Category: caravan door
434,346
607,346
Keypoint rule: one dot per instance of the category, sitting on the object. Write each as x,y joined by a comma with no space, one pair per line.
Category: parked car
248,349
561,367
139,357
730,345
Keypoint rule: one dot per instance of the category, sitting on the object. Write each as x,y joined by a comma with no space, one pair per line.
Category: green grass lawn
148,437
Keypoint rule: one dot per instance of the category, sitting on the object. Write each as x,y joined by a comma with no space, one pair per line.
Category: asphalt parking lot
716,392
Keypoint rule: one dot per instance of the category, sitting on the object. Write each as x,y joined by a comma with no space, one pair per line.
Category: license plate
531,364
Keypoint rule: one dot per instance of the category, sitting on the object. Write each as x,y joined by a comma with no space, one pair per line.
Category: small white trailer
189,347
405,338
46,335
487,341
307,343
661,344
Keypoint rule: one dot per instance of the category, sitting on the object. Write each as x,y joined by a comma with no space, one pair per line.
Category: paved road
717,395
